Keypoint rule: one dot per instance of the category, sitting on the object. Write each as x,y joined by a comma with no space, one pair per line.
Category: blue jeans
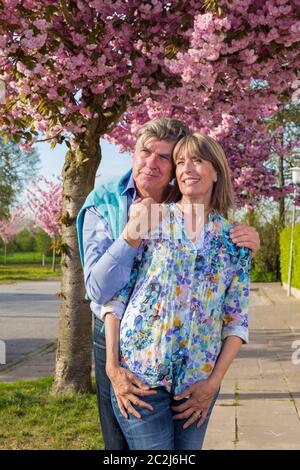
157,429
112,434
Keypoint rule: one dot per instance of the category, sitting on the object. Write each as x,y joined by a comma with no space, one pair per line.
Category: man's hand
201,395
246,236
128,388
145,215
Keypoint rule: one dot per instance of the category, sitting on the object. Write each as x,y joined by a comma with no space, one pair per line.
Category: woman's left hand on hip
201,395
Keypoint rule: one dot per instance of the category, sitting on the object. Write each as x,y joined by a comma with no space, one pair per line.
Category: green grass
31,418
27,267
21,272
29,257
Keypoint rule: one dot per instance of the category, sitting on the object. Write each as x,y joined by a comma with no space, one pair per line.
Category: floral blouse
183,299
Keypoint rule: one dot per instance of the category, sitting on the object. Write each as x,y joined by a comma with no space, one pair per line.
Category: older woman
184,313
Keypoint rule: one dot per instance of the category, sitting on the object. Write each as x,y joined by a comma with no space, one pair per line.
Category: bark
5,253
74,351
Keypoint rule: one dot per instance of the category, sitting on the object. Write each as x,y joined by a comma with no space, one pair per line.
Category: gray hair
171,130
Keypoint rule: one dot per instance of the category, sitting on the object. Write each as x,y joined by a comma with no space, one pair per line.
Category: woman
184,313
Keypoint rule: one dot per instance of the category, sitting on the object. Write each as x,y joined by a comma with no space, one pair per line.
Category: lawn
31,418
27,267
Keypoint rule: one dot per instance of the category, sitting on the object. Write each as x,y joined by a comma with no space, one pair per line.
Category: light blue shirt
107,262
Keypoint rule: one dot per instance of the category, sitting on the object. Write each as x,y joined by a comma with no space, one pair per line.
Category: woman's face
195,176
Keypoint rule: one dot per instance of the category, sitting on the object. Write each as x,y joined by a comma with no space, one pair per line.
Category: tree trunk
43,249
74,350
5,252
53,256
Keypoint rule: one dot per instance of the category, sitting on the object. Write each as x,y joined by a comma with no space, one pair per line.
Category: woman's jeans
111,431
157,429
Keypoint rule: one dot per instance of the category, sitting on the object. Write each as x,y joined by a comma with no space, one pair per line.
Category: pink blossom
10,227
45,203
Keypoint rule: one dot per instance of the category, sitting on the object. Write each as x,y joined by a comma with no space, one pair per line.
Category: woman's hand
128,388
201,395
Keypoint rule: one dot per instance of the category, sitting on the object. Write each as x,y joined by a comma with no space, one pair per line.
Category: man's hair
171,130
206,148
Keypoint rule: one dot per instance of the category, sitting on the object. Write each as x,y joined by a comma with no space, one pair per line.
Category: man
108,250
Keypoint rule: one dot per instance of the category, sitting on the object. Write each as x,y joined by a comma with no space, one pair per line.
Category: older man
108,250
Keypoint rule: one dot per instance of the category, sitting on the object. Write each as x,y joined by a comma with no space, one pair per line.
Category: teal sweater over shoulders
111,205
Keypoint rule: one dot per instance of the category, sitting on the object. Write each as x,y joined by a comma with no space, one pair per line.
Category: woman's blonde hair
208,149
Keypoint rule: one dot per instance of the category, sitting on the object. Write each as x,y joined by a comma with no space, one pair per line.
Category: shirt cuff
115,308
241,332
122,252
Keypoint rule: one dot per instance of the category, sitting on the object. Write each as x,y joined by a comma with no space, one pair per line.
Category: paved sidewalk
259,404
29,314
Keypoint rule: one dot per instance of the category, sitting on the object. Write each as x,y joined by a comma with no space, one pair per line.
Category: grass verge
23,272
31,418
26,266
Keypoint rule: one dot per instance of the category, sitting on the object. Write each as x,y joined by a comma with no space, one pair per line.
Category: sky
113,163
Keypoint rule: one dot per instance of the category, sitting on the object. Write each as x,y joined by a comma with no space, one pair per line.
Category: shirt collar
130,187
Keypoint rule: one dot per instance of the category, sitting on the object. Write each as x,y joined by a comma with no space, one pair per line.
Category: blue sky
112,164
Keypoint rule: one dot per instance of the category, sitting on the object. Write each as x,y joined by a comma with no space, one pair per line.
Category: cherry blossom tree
239,70
70,69
45,203
74,70
10,227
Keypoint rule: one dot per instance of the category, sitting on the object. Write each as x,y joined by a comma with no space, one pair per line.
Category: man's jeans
111,431
157,429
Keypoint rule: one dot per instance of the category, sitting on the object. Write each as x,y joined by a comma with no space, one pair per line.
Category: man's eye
164,157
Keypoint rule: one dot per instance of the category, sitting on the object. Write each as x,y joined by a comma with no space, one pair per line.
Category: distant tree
285,152
9,227
43,243
45,202
16,167
26,239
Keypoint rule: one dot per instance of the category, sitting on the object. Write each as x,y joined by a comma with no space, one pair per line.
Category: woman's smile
190,180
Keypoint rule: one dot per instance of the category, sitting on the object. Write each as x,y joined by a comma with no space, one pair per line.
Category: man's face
152,165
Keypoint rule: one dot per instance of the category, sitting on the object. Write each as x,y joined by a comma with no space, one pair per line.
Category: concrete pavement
29,313
259,403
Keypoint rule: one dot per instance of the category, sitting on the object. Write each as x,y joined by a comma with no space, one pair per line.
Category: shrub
285,238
